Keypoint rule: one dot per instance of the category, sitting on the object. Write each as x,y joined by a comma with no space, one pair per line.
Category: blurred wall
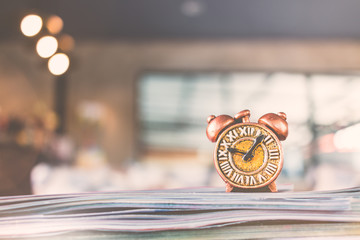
23,81
106,72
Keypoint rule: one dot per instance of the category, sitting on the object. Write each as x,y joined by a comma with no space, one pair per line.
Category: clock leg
272,187
229,188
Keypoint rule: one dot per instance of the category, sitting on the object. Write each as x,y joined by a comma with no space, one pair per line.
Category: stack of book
203,213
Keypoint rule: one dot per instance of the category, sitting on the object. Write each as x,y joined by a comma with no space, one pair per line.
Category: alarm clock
248,156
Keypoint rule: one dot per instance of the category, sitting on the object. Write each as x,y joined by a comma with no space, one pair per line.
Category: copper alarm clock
248,156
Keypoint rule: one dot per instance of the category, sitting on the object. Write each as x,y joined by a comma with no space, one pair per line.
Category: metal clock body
248,156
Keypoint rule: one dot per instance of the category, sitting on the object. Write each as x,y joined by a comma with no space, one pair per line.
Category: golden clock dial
248,155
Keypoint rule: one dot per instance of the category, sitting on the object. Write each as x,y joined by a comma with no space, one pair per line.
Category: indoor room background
130,111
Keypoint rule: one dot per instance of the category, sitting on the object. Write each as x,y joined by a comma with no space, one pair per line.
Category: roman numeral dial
248,155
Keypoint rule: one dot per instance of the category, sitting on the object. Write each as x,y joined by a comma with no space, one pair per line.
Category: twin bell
275,122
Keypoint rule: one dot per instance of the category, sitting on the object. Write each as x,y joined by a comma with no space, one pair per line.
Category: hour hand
249,153
234,150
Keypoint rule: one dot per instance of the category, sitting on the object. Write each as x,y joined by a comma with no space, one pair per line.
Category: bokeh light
54,24
66,43
31,25
46,46
58,64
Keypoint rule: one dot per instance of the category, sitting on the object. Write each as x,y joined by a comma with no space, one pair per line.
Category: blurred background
114,95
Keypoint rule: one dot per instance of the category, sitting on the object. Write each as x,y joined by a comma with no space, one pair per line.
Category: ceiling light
66,43
31,25
54,24
46,46
58,64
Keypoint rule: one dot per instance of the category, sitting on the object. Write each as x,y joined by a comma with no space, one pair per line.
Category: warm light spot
54,24
58,64
66,43
46,46
31,25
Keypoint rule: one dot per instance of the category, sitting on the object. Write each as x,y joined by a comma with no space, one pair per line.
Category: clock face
248,155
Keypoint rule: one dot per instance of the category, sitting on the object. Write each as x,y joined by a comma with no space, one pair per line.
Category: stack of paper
204,213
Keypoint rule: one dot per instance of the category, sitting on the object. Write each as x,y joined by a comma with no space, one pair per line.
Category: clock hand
249,153
234,150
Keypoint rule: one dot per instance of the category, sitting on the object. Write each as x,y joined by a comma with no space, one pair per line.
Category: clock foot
229,188
272,187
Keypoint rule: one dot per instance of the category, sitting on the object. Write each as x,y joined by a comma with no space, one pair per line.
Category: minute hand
257,141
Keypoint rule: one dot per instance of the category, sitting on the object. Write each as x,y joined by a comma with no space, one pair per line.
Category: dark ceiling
185,19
